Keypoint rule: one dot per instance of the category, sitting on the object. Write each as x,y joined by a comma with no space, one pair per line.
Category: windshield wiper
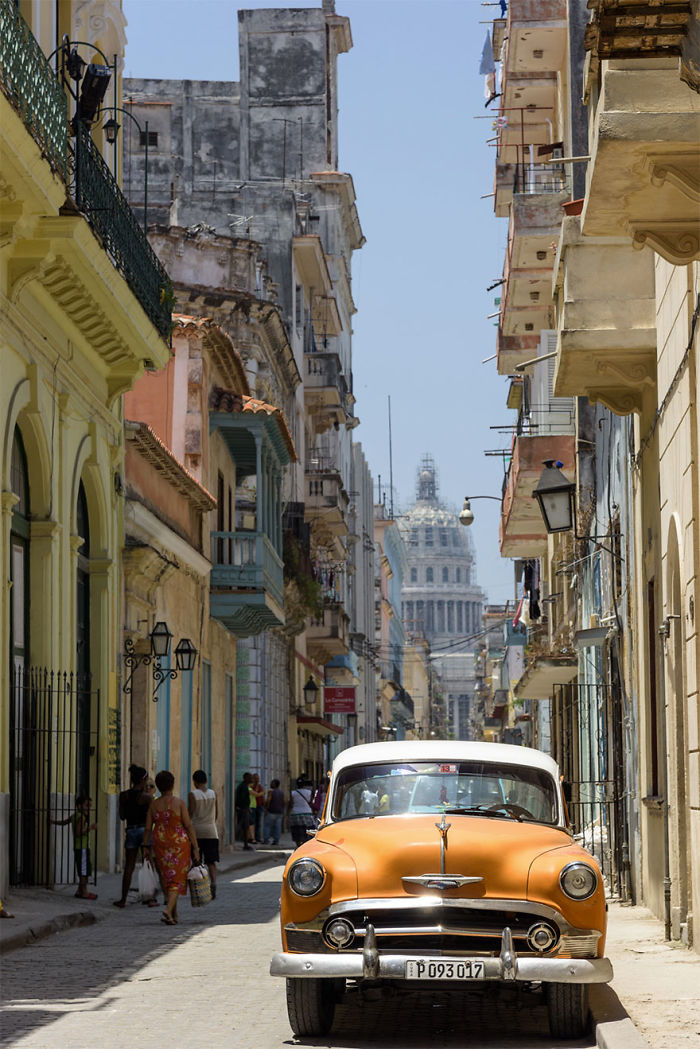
479,810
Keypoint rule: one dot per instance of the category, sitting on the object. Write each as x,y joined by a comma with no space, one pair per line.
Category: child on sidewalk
80,821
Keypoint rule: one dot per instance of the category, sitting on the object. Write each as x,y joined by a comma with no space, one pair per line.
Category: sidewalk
43,912
652,1003
654,999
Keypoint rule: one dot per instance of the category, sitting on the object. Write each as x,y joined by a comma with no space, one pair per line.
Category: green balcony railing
31,85
108,211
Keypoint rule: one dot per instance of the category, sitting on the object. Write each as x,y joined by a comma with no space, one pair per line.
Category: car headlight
578,881
306,877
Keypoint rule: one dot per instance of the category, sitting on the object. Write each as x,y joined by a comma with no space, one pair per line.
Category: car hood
389,848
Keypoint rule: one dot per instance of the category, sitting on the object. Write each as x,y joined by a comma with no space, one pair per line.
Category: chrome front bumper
369,964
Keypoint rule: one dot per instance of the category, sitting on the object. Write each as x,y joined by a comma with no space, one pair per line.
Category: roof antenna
391,467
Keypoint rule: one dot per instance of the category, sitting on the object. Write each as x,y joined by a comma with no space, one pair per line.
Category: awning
539,680
319,727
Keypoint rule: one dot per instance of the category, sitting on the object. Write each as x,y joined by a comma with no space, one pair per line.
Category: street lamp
111,129
161,640
555,495
310,691
466,514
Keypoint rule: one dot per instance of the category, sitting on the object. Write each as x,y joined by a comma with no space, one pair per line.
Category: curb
42,929
613,1027
256,860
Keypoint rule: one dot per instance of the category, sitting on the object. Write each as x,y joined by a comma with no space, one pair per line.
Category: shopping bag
148,882
200,885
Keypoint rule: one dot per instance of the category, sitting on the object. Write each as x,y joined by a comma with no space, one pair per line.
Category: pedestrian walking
242,805
301,814
319,798
203,808
80,822
133,808
170,832
257,806
274,813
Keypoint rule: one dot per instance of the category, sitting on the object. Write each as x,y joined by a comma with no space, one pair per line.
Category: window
152,138
445,575
299,307
414,575
428,537
458,575
429,575
443,537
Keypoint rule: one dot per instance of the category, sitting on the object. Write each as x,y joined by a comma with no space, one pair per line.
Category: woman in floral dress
169,829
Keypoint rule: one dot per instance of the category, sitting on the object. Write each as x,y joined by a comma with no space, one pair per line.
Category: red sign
339,699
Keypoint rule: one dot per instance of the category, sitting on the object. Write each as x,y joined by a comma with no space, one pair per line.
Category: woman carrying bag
169,827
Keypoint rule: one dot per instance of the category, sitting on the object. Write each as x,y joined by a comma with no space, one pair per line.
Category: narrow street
130,981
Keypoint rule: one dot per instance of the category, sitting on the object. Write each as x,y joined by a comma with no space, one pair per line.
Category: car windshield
470,788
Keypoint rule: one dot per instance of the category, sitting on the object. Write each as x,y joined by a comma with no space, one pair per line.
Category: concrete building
441,599
395,713
78,327
614,644
200,409
256,162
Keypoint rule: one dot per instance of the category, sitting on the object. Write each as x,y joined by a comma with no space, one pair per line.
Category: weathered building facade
256,162
604,246
78,327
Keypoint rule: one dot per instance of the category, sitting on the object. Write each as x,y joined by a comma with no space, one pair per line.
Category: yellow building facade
84,308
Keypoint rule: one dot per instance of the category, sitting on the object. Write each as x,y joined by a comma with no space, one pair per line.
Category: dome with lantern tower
441,599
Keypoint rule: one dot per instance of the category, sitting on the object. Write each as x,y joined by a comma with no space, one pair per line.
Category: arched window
445,575
429,575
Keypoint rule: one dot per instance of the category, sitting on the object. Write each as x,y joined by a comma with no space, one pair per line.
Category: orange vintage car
440,862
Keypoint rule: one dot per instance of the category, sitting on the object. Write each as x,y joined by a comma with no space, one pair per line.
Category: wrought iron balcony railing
109,213
539,178
35,91
31,86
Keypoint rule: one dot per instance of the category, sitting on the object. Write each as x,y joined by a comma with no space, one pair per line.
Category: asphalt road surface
132,983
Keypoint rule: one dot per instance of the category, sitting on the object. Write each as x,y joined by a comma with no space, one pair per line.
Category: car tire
311,1005
567,1009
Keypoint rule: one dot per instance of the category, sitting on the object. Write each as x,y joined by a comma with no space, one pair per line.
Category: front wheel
310,1005
567,1009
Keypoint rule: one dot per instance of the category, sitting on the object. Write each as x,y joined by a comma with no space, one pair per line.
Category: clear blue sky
408,92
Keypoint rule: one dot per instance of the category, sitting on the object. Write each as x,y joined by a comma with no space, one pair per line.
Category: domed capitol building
440,596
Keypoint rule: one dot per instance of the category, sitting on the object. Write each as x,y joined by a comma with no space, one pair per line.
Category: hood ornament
443,826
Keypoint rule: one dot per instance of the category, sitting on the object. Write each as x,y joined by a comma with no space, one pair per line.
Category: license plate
440,969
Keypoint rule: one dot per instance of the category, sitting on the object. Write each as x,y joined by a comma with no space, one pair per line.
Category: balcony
55,196
522,532
624,29
328,636
526,179
247,578
326,499
543,674
526,304
246,582
325,390
606,339
643,179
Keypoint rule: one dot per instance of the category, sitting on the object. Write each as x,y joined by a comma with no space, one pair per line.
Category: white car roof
444,750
